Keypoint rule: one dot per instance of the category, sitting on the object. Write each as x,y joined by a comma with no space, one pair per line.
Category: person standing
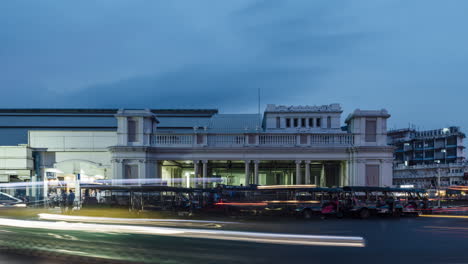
70,201
63,201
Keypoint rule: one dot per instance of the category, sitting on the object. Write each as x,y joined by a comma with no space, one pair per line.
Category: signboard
51,175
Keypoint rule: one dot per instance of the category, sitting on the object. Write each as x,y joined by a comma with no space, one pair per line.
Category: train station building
285,145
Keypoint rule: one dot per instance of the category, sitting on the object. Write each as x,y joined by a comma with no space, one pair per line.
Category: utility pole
438,186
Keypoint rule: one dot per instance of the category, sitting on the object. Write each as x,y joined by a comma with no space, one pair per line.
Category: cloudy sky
410,57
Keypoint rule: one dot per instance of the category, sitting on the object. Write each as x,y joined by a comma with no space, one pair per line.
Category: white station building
196,148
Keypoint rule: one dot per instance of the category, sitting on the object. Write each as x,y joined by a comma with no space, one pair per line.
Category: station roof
234,123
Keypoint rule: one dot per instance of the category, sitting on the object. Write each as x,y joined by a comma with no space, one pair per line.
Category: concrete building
196,148
423,158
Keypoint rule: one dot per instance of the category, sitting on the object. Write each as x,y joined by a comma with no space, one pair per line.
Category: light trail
58,217
447,227
270,238
242,204
272,187
446,216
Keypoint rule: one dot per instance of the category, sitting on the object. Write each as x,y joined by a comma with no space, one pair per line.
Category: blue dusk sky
410,57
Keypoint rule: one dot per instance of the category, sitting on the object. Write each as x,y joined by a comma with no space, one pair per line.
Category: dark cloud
409,57
197,86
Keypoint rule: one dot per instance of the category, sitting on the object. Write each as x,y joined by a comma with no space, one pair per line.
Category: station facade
286,145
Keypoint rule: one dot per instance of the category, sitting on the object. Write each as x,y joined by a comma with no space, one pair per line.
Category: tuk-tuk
321,201
413,202
364,201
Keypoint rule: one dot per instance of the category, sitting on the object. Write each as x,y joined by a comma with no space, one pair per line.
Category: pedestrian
71,200
63,201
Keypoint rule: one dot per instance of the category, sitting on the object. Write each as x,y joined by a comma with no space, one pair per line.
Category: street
387,240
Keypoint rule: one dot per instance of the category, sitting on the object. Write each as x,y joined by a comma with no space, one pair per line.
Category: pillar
142,171
247,172
298,172
307,171
256,162
117,171
195,170
322,176
46,188
158,172
344,173
205,173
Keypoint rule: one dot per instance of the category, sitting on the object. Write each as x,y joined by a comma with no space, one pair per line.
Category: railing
431,166
277,140
249,140
226,140
172,140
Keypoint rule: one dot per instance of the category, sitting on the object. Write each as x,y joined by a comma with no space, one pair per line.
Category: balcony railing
278,140
248,140
226,140
172,140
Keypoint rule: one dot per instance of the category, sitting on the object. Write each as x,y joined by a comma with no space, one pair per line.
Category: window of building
199,139
303,122
131,171
319,122
288,122
372,175
278,122
311,122
371,130
251,139
329,122
296,122
132,128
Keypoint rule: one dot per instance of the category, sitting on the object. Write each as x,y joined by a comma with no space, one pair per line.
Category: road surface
387,240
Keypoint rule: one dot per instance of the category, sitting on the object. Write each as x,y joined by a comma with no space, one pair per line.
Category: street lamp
438,186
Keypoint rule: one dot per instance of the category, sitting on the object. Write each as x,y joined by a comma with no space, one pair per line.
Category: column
46,188
247,172
195,171
256,162
205,173
142,171
117,171
158,171
298,172
344,173
322,180
307,171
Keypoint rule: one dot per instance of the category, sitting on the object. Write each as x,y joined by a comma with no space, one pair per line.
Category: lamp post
438,186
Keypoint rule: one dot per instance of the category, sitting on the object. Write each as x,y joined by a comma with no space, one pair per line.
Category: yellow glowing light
459,188
292,201
447,216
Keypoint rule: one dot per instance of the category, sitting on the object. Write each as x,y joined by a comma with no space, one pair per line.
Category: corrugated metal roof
234,123
58,121
77,111
183,122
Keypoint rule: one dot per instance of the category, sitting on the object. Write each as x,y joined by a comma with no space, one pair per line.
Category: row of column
204,172
256,172
144,170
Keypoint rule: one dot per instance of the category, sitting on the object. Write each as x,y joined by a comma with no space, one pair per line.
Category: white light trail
58,217
271,238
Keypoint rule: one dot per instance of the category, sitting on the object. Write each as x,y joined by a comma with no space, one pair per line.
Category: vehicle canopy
380,189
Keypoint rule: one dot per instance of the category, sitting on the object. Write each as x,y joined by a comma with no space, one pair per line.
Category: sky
409,57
